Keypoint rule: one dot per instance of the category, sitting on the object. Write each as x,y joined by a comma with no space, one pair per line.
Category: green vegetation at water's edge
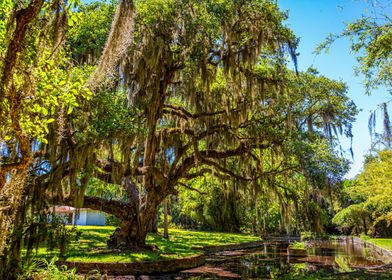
91,246
328,275
297,245
385,243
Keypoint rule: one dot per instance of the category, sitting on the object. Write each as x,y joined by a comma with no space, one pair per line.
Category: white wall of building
95,218
80,218
83,217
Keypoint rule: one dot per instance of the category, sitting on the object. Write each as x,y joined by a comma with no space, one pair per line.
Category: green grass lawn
91,246
385,243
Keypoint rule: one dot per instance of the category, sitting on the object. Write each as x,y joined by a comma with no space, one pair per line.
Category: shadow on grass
91,247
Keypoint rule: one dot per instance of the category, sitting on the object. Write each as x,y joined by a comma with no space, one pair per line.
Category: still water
274,260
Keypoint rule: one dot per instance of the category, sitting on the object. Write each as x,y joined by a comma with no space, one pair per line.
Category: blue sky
312,21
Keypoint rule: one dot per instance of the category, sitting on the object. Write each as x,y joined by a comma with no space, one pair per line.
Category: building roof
66,209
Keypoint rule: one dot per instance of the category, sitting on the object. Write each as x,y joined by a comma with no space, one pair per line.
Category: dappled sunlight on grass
113,257
92,237
201,239
91,246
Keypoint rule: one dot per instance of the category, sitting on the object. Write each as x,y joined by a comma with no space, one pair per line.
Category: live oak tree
299,180
304,175
203,98
194,100
181,89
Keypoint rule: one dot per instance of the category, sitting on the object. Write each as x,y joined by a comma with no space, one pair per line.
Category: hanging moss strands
118,42
186,95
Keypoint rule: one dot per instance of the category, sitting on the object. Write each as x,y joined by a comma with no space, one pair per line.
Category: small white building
81,216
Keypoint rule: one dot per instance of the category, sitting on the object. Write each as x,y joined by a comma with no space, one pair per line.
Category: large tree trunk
153,227
136,216
11,225
133,230
130,235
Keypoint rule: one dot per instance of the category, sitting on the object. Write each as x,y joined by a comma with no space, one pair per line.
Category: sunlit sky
312,21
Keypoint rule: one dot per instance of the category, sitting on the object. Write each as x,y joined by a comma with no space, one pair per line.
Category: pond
275,260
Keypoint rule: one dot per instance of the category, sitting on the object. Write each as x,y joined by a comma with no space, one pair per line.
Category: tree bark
130,235
153,227
23,17
257,216
165,220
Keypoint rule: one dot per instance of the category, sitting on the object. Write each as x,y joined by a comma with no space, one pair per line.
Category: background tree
87,37
295,186
369,194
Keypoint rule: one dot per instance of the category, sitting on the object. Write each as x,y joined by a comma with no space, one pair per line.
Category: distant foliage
87,36
370,195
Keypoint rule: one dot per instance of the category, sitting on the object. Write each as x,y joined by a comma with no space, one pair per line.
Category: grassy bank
91,246
385,243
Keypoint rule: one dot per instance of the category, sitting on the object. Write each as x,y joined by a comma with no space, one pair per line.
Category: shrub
49,271
307,235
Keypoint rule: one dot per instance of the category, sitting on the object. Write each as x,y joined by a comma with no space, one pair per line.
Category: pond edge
155,267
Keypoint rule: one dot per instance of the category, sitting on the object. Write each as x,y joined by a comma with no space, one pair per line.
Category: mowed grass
91,246
385,243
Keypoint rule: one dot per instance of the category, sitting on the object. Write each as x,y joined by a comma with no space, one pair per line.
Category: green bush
297,245
49,271
307,235
60,236
112,220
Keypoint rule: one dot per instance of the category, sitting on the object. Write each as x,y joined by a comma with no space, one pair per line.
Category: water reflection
276,259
